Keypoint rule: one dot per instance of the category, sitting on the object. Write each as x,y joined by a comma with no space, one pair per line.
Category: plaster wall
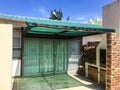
5,56
102,45
92,38
111,16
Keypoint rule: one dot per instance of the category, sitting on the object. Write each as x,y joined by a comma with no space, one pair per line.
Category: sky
77,10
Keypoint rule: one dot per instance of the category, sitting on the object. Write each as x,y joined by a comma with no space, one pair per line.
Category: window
16,53
102,57
74,49
16,44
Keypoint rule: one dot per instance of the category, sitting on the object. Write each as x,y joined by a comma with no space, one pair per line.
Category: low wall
95,72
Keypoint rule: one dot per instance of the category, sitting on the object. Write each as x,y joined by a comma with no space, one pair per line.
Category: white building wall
92,38
5,56
111,16
102,45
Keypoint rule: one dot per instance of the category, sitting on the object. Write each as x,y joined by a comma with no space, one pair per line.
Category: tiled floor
56,82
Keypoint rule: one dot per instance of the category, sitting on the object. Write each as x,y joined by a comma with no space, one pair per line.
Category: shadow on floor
87,83
53,82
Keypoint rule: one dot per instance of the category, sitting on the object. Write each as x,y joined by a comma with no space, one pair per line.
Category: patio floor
55,82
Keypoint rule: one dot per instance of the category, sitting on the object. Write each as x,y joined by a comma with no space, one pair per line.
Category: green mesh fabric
45,30
61,55
45,56
31,57
75,33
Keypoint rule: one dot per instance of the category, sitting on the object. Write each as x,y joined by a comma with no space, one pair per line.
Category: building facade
41,47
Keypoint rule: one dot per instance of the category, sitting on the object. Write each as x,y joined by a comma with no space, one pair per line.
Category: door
74,56
44,56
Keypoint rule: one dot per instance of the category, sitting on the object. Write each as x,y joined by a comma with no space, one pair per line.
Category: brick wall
113,62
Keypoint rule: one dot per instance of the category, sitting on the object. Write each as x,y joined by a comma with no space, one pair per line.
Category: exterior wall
92,38
111,16
16,62
113,62
5,56
102,45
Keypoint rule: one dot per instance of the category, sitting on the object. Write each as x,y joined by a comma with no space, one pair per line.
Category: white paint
16,67
102,45
111,16
92,38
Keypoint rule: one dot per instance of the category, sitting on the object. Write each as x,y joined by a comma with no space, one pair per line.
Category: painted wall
102,45
92,38
111,16
5,56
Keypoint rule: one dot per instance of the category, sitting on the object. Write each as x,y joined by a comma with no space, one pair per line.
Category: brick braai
113,62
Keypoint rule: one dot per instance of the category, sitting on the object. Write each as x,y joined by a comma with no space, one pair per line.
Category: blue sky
77,10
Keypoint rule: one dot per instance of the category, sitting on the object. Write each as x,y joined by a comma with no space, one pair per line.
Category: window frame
102,56
17,34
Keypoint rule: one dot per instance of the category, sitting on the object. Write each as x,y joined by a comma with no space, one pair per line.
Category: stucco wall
111,16
5,56
92,38
102,45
